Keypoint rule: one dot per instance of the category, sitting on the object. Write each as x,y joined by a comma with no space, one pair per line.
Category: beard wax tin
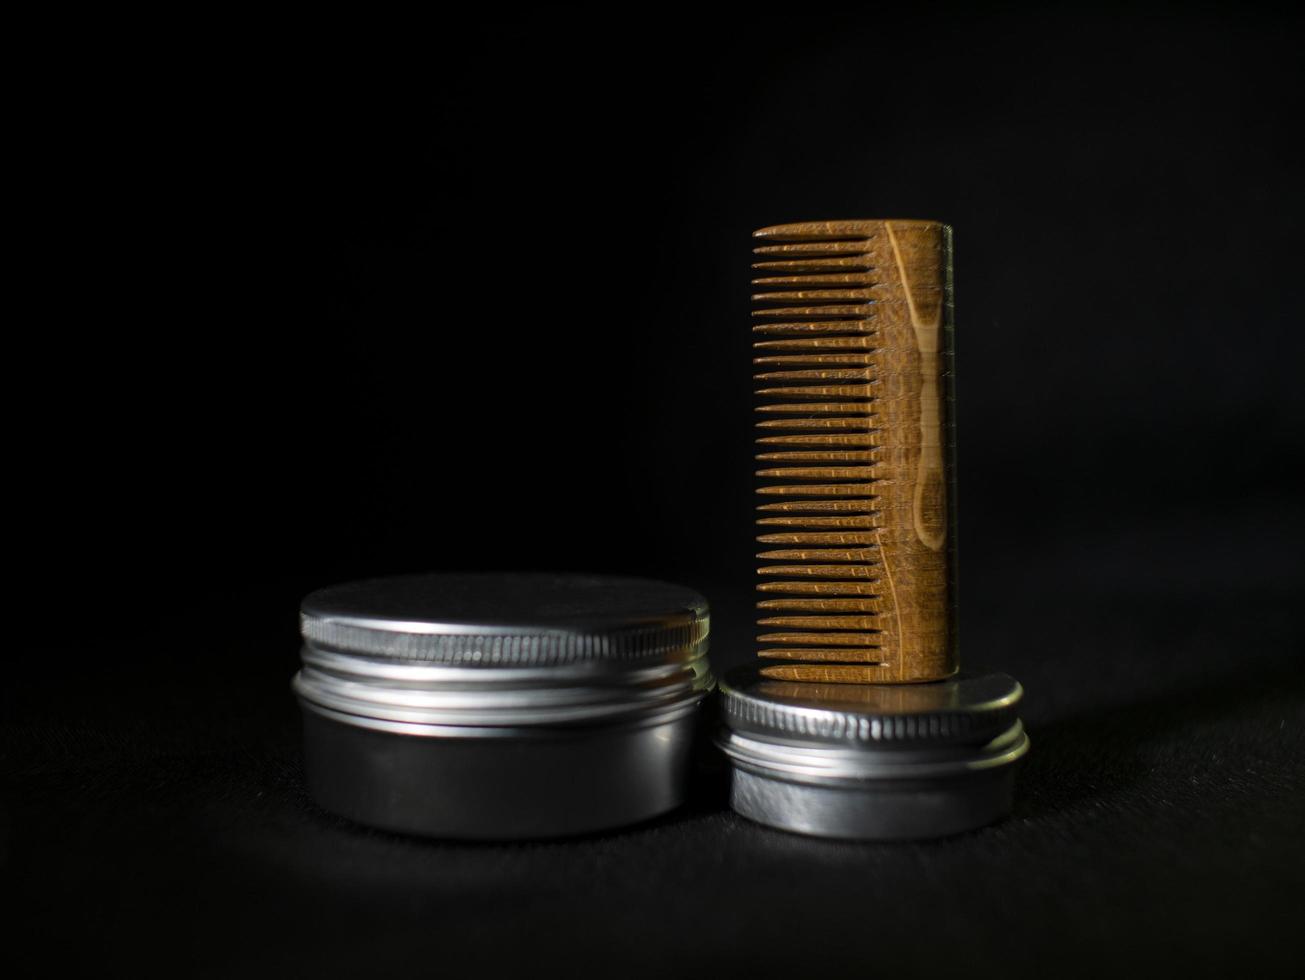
501,706
872,761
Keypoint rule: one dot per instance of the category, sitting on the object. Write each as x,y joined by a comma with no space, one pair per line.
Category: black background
312,308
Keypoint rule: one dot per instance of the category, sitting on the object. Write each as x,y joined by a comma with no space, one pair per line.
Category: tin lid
499,620
501,651
967,708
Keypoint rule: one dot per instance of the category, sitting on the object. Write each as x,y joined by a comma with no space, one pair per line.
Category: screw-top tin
872,762
501,706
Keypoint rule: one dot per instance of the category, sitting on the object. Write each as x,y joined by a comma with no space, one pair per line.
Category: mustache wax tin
501,706
872,761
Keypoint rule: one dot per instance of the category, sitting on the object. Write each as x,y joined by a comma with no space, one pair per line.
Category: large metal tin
872,762
498,707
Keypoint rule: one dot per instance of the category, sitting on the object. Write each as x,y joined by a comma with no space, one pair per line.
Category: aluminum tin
872,762
501,706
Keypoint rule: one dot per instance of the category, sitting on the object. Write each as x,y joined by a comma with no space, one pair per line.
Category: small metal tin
872,762
501,706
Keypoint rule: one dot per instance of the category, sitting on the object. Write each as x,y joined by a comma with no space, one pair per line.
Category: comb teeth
837,329
805,313
820,588
821,456
821,327
834,424
814,279
813,345
837,408
817,391
818,554
828,506
866,520
815,248
814,359
819,472
816,537
814,408
837,296
817,265
818,374
843,439
820,622
822,605
837,674
821,490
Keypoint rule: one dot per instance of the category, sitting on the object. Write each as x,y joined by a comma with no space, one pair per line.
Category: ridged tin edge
778,719
829,725
508,649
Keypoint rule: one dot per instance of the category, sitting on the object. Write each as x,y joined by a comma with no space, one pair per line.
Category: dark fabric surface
157,819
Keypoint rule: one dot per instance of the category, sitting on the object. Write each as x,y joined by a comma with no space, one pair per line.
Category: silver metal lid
506,620
968,708
485,654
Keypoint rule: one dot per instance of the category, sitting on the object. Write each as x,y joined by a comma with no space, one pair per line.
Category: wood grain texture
852,356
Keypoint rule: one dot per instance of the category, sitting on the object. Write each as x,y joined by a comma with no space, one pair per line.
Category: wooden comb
853,368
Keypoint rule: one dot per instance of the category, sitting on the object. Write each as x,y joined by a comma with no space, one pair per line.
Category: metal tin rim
991,710
612,722
508,703
604,619
835,765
